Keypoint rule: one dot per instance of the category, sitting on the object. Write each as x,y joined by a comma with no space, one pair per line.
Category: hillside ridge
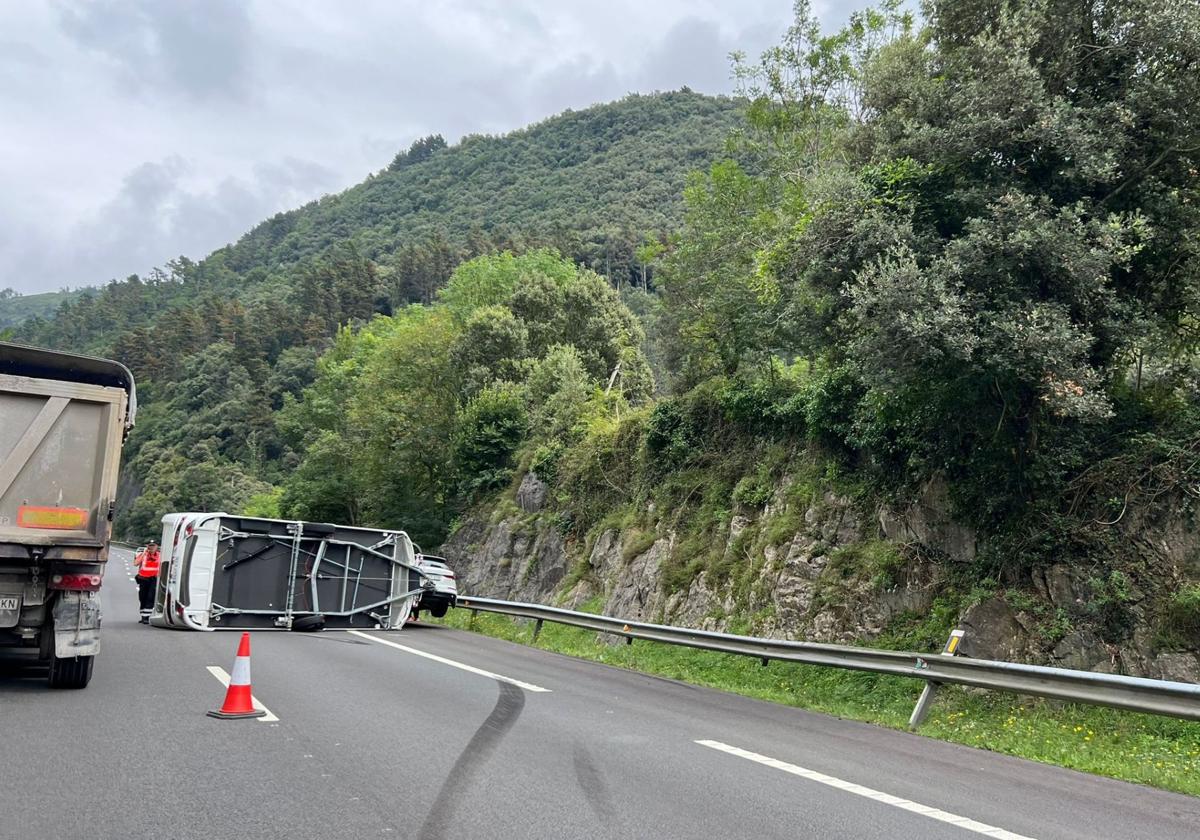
593,183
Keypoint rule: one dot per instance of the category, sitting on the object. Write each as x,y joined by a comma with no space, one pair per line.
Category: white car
444,592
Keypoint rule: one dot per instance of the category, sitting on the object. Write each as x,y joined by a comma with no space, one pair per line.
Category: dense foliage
966,250
980,235
413,416
15,308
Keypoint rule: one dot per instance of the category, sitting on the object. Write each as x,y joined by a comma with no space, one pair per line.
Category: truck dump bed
64,418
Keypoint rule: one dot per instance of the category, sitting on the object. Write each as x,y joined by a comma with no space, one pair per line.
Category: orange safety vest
148,564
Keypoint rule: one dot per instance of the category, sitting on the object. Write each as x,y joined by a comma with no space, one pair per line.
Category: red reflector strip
52,518
76,582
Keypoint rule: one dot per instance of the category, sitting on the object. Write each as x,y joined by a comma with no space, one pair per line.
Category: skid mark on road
859,790
335,638
594,788
471,760
462,666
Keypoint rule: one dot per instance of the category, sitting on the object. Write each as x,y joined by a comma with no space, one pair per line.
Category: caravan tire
308,623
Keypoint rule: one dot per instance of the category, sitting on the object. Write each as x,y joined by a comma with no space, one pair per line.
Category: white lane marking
223,676
878,796
461,666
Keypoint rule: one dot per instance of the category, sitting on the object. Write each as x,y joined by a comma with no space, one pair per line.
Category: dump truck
63,420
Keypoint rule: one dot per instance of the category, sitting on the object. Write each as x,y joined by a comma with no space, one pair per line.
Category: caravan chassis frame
295,538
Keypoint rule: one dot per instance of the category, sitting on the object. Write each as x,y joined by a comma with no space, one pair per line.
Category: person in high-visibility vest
147,562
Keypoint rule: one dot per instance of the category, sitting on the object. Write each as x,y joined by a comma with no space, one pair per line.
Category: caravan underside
231,572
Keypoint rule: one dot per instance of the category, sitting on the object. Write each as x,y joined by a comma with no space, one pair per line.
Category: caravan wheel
308,623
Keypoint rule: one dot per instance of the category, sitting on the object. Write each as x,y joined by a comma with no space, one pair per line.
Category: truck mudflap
76,624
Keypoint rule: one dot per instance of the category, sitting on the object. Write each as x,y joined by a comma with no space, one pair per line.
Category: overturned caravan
237,572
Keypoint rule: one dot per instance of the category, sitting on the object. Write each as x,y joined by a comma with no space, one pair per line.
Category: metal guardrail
1116,691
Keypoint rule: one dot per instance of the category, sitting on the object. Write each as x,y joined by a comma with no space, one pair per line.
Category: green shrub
489,431
670,434
753,492
637,543
264,505
768,401
1109,605
829,402
878,560
601,471
544,461
1179,626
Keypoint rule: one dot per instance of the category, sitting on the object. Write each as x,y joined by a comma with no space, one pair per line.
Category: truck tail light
76,582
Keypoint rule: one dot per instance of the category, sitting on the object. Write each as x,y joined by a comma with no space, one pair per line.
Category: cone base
231,715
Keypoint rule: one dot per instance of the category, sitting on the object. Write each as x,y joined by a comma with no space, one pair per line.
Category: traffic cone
238,702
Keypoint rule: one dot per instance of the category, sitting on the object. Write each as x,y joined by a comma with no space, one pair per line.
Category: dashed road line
859,790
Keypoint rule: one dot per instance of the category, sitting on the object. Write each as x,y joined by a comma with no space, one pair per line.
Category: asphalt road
373,740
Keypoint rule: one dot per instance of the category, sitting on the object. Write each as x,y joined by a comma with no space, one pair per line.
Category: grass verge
1151,750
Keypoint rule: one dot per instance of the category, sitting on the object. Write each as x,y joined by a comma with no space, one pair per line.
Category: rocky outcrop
792,593
507,559
531,494
826,581
993,631
927,521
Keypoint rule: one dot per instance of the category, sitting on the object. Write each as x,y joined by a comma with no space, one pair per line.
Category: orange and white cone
239,701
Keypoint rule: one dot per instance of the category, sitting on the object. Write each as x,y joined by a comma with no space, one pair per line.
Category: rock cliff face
841,574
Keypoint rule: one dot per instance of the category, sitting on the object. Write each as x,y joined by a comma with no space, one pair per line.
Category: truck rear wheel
73,672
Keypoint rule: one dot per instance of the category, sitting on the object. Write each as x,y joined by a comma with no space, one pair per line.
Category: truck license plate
10,610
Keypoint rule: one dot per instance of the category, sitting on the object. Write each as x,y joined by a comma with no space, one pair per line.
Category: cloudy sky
132,131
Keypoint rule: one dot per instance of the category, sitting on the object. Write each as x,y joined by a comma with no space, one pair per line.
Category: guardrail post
921,710
471,623
537,628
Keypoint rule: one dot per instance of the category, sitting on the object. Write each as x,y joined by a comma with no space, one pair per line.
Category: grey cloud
201,48
20,54
19,62
512,18
691,53
155,216
576,84
247,107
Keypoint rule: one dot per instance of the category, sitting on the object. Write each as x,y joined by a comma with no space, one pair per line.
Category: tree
326,487
492,346
490,280
420,150
489,430
399,423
